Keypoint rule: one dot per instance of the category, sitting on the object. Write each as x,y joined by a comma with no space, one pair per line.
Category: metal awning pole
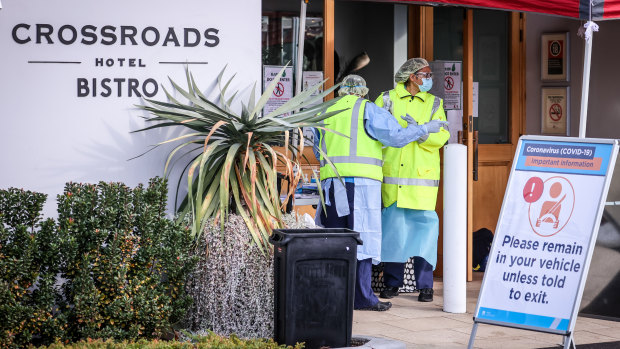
299,64
585,83
585,87
300,48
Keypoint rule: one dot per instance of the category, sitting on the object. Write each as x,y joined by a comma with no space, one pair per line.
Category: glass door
484,40
490,63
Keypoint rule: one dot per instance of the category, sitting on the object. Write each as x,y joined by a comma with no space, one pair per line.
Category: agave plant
236,154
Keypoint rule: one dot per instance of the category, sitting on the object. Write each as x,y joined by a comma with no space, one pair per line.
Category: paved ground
426,325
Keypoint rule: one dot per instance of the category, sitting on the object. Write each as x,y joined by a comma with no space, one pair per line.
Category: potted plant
234,166
235,153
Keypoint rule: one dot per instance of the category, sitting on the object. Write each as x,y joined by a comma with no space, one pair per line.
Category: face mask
427,84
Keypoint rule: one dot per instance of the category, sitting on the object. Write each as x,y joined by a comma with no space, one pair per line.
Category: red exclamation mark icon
533,189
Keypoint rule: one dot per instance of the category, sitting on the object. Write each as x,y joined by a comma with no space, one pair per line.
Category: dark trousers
364,297
394,273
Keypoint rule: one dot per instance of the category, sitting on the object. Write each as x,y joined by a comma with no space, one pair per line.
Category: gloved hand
410,120
433,126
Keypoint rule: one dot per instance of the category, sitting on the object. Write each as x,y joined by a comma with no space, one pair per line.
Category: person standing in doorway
411,181
353,201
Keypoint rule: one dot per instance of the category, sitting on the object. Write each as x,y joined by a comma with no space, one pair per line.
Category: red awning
601,9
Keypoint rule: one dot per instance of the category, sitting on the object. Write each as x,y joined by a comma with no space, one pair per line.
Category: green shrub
29,262
125,264
210,341
112,266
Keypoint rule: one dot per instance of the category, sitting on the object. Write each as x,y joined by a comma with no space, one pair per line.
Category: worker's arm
382,126
315,148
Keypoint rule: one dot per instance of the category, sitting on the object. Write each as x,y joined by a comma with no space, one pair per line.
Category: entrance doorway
491,45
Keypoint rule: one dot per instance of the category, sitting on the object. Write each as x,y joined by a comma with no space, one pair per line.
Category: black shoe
389,292
380,306
426,295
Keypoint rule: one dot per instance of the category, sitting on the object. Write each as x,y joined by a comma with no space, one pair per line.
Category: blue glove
410,120
434,126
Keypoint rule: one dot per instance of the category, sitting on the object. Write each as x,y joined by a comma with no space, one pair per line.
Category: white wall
51,135
604,104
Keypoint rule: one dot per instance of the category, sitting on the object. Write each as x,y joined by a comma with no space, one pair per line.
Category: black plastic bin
314,286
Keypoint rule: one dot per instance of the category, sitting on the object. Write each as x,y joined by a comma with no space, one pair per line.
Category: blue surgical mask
427,84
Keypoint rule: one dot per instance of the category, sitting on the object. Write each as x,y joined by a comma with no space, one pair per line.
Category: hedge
110,267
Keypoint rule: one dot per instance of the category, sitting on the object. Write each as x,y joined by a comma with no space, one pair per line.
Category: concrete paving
426,325
377,343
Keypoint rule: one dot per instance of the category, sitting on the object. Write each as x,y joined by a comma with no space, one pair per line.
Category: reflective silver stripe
436,103
354,123
353,160
411,181
387,102
356,160
323,146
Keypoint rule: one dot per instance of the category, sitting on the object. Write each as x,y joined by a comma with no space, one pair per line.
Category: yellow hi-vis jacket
356,156
411,173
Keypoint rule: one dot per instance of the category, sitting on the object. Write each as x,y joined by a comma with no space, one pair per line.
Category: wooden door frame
517,77
420,32
468,111
328,45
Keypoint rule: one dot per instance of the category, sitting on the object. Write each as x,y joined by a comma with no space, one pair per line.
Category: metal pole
300,47
569,342
472,337
585,83
585,87
299,64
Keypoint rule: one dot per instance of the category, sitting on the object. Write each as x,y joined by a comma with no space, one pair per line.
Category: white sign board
452,85
546,233
72,71
447,83
311,78
284,89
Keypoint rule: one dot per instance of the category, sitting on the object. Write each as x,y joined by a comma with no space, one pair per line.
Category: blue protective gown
412,233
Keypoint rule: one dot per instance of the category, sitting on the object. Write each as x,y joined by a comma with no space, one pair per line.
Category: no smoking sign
449,83
279,90
555,112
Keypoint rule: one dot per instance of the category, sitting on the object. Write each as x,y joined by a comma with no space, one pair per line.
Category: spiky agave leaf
232,157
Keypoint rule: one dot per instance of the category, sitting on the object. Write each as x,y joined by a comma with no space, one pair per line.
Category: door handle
462,139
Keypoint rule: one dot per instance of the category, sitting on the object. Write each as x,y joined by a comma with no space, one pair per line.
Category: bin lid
282,237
